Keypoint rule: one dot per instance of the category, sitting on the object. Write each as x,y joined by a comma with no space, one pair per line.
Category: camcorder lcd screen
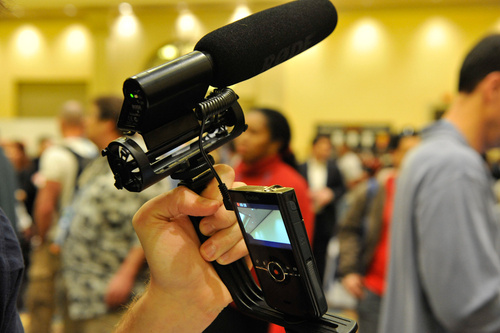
264,224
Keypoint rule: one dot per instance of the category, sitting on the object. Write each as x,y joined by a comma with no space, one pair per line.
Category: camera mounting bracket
135,170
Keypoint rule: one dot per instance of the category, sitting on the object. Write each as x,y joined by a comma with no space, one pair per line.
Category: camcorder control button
276,271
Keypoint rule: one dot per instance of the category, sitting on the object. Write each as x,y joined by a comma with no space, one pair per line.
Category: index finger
177,202
226,174
221,220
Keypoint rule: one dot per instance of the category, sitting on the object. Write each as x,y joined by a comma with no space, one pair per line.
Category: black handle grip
249,298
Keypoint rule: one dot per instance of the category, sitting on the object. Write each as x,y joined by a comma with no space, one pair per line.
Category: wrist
203,302
160,311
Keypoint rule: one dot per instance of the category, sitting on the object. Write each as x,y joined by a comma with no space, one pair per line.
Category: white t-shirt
60,165
317,175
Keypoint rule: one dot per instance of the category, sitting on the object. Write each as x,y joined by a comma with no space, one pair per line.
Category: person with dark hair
326,186
444,270
267,159
103,262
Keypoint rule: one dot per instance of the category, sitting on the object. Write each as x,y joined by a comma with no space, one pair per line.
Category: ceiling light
28,40
168,52
187,25
125,8
240,12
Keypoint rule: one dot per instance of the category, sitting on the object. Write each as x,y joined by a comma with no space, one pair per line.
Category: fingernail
207,229
209,250
223,259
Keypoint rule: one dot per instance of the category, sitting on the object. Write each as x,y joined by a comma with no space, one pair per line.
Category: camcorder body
276,238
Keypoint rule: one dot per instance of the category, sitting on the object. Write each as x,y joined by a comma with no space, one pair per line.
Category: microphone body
256,43
173,78
165,95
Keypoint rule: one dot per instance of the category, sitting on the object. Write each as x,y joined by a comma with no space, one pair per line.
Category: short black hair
320,136
483,59
396,137
109,107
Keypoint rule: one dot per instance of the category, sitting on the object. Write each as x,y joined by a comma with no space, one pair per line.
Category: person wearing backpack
59,169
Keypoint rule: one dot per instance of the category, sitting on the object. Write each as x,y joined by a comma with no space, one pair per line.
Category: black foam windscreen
254,44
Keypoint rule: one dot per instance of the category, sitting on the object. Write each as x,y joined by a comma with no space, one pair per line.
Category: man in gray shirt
444,271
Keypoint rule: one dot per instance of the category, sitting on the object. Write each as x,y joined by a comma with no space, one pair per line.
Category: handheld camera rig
168,105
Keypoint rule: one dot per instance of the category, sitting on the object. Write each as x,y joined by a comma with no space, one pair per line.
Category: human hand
55,249
180,268
322,197
119,290
353,283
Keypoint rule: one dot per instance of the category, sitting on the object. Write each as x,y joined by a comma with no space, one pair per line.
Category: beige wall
398,82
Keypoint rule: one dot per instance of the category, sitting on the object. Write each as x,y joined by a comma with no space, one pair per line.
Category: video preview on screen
264,223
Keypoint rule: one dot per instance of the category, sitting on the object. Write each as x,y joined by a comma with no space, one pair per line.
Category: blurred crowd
83,260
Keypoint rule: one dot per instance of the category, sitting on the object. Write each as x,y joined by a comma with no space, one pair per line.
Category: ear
490,98
492,88
110,125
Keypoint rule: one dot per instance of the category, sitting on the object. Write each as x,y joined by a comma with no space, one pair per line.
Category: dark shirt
325,225
8,187
11,272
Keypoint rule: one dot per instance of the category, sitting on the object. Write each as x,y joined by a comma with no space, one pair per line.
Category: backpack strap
82,163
